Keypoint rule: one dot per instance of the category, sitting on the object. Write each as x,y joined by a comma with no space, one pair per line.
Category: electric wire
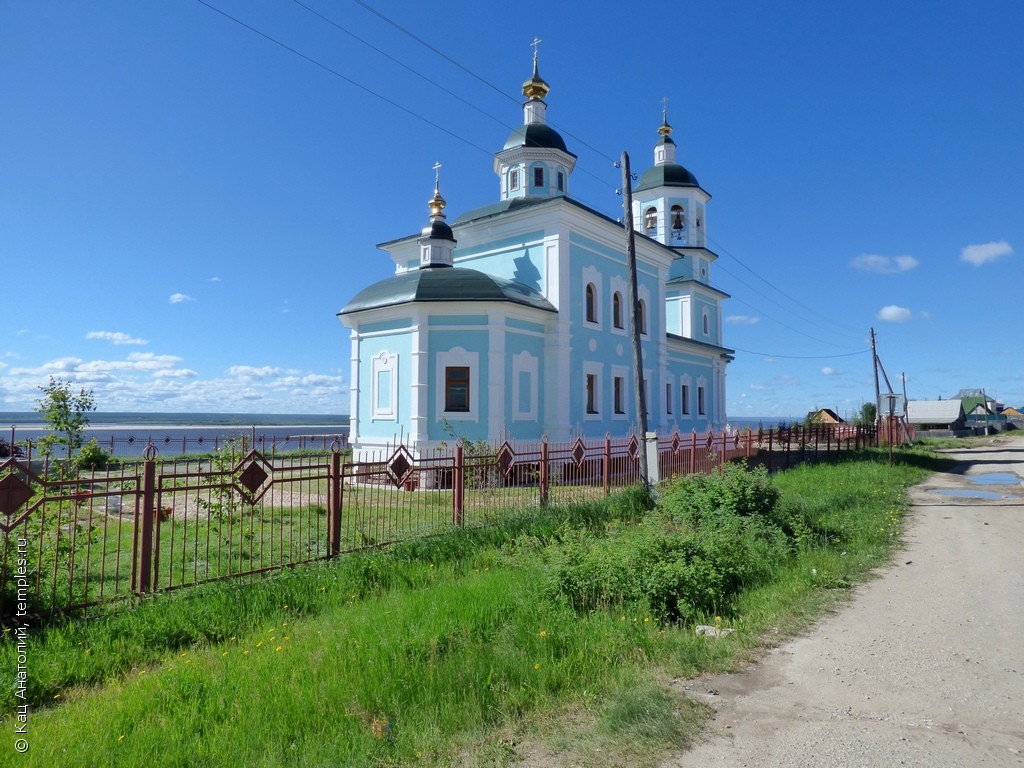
469,71
347,79
433,124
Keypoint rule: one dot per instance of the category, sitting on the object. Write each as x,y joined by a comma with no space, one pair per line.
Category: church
513,320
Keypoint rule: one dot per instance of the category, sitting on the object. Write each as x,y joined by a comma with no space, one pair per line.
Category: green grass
441,651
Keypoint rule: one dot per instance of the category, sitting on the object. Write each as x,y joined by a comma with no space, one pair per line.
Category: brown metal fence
71,540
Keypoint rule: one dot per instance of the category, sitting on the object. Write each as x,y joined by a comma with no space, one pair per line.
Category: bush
8,450
709,538
92,456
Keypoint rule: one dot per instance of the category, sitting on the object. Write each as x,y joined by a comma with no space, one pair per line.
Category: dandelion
56,696
245,652
543,633
225,653
259,644
121,737
537,665
278,649
647,619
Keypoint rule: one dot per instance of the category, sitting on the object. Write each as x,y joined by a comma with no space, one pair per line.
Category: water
128,434
966,493
995,478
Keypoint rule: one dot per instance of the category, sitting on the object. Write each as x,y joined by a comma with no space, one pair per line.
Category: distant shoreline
154,420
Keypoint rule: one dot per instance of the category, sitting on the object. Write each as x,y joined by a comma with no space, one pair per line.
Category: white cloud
180,298
828,371
742,320
985,252
894,314
175,373
252,372
884,265
115,337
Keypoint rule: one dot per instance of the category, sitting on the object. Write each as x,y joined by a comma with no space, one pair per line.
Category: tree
66,414
867,414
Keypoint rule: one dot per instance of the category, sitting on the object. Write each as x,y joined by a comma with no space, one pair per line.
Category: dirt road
924,667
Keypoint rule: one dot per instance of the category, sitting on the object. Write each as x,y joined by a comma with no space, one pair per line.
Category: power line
775,288
400,63
471,73
803,357
338,74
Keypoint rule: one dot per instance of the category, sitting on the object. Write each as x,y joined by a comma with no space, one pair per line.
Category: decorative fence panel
74,539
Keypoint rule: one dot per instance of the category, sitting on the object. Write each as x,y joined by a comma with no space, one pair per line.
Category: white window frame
592,277
525,364
385,362
621,373
457,357
593,369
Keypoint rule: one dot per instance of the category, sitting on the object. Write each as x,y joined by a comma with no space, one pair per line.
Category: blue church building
513,320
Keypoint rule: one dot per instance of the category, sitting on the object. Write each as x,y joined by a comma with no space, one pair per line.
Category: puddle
995,478
967,493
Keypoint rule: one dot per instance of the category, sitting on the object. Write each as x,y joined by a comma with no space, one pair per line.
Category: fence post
544,480
459,485
693,452
335,506
142,580
606,474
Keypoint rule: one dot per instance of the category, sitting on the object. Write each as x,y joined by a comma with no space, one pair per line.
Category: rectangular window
456,388
591,393
619,395
538,177
561,181
685,408
700,400
668,399
383,391
513,180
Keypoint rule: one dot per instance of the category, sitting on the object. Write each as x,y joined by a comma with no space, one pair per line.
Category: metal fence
74,539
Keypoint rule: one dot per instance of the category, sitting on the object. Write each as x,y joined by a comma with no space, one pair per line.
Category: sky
190,190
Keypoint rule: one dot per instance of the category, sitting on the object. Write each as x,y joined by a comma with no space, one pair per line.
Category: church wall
603,351
385,381
520,259
523,403
465,344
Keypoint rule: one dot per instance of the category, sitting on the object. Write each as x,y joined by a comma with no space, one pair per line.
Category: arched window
617,309
591,304
651,222
538,176
642,316
561,181
678,222
705,322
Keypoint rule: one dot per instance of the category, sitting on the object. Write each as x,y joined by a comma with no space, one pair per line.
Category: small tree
867,414
66,414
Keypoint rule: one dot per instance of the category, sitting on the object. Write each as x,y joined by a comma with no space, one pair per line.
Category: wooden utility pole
634,315
878,392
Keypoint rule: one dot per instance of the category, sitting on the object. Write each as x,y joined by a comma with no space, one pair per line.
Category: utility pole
638,355
878,393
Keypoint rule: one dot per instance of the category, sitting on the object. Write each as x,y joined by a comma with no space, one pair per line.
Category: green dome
444,284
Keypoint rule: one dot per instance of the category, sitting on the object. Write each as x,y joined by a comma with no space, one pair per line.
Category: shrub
92,456
710,537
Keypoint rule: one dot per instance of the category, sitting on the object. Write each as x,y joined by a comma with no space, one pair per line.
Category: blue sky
185,203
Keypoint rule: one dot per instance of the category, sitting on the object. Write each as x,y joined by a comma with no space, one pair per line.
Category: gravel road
925,665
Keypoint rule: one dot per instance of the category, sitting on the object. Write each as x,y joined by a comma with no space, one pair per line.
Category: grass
443,651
